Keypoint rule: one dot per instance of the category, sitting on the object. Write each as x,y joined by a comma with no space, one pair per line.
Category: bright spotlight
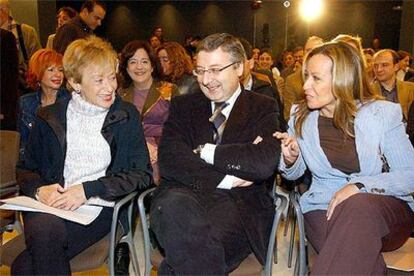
310,9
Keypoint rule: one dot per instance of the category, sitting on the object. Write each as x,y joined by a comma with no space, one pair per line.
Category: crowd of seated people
369,113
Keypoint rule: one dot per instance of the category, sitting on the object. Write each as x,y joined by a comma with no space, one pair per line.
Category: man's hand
257,140
71,198
339,196
238,182
49,194
290,147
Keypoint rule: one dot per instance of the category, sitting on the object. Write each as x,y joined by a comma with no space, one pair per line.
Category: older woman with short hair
45,77
86,150
354,143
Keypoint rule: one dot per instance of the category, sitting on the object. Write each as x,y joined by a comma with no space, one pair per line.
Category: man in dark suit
212,208
258,82
82,25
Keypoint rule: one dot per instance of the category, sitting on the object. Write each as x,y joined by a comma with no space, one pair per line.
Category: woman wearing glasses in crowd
342,132
177,67
89,149
139,69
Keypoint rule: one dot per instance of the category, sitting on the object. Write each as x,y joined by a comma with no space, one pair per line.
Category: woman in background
342,132
89,149
140,70
177,67
45,78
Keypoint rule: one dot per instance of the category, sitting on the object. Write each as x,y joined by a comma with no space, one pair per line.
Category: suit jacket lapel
204,130
237,119
152,98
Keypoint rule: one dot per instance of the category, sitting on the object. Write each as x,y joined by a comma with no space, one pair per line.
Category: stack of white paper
85,214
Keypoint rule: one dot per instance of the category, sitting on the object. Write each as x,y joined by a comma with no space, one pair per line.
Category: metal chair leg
302,269
288,214
292,239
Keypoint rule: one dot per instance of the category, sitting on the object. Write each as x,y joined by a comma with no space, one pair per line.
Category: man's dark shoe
122,259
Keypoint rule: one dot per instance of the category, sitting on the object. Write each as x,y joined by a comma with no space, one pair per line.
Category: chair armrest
145,231
276,219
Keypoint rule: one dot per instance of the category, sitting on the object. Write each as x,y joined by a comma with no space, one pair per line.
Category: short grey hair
227,42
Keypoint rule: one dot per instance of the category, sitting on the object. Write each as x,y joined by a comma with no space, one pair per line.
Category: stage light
310,9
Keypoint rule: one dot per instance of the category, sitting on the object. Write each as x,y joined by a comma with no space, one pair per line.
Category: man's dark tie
219,121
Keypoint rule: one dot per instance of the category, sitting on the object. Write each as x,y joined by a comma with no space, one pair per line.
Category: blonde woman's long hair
349,86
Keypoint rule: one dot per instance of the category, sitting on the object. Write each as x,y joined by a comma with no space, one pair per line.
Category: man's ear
76,86
251,63
240,69
396,67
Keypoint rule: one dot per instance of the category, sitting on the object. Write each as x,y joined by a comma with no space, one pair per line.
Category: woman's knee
44,230
361,204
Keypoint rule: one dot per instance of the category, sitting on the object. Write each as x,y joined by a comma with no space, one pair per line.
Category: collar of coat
55,116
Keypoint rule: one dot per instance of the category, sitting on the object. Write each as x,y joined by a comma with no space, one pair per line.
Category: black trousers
52,241
198,239
361,227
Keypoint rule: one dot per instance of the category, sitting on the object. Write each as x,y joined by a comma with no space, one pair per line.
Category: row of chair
103,251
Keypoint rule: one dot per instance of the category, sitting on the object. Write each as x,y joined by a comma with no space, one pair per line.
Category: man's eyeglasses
198,72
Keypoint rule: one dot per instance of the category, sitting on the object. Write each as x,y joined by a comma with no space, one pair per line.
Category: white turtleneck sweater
88,154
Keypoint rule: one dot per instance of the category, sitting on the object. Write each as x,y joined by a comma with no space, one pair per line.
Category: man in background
386,65
293,87
64,15
90,17
27,40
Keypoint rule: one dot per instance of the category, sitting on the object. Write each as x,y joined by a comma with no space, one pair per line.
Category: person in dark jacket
8,89
45,78
86,150
81,26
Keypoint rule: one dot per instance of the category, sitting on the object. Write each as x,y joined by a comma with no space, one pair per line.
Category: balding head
386,66
312,42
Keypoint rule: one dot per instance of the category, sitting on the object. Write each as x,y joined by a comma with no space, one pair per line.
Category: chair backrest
9,154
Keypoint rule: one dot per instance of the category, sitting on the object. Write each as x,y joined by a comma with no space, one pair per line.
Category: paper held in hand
83,215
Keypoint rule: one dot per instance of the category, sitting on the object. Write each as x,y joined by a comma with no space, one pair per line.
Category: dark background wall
265,26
